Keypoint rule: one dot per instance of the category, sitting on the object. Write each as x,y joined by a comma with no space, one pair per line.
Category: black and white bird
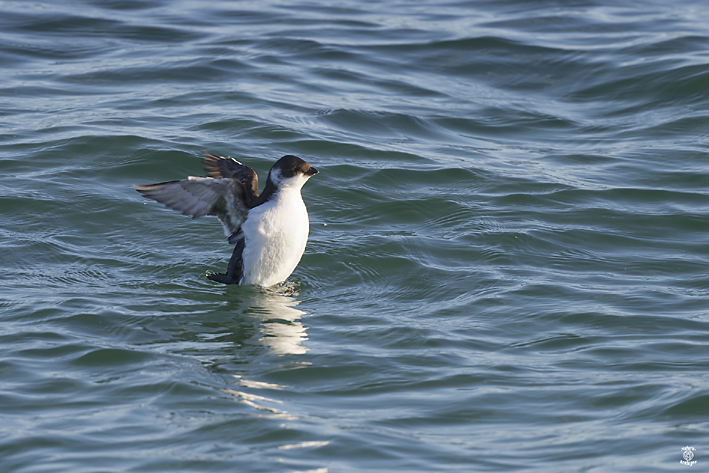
269,230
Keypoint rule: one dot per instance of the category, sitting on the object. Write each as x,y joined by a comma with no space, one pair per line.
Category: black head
289,172
291,166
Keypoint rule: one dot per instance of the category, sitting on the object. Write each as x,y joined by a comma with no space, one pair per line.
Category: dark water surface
507,267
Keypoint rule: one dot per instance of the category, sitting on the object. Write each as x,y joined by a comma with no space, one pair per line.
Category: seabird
269,230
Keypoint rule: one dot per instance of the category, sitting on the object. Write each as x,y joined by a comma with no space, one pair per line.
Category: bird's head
291,171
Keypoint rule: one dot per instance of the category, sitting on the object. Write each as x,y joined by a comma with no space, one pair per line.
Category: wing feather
221,167
200,196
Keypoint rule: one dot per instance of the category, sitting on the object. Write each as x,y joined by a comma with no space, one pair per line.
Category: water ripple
507,246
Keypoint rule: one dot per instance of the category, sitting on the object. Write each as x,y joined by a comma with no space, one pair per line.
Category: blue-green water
507,266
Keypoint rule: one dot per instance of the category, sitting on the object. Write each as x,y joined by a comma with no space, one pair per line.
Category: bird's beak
311,172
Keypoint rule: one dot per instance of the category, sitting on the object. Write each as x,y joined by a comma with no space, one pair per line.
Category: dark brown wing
221,167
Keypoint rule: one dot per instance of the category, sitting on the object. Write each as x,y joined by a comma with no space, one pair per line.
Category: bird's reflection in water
281,328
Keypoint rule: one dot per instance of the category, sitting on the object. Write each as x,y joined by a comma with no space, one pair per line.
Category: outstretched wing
199,196
221,167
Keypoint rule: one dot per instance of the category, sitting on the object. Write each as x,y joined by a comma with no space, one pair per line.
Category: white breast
275,236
